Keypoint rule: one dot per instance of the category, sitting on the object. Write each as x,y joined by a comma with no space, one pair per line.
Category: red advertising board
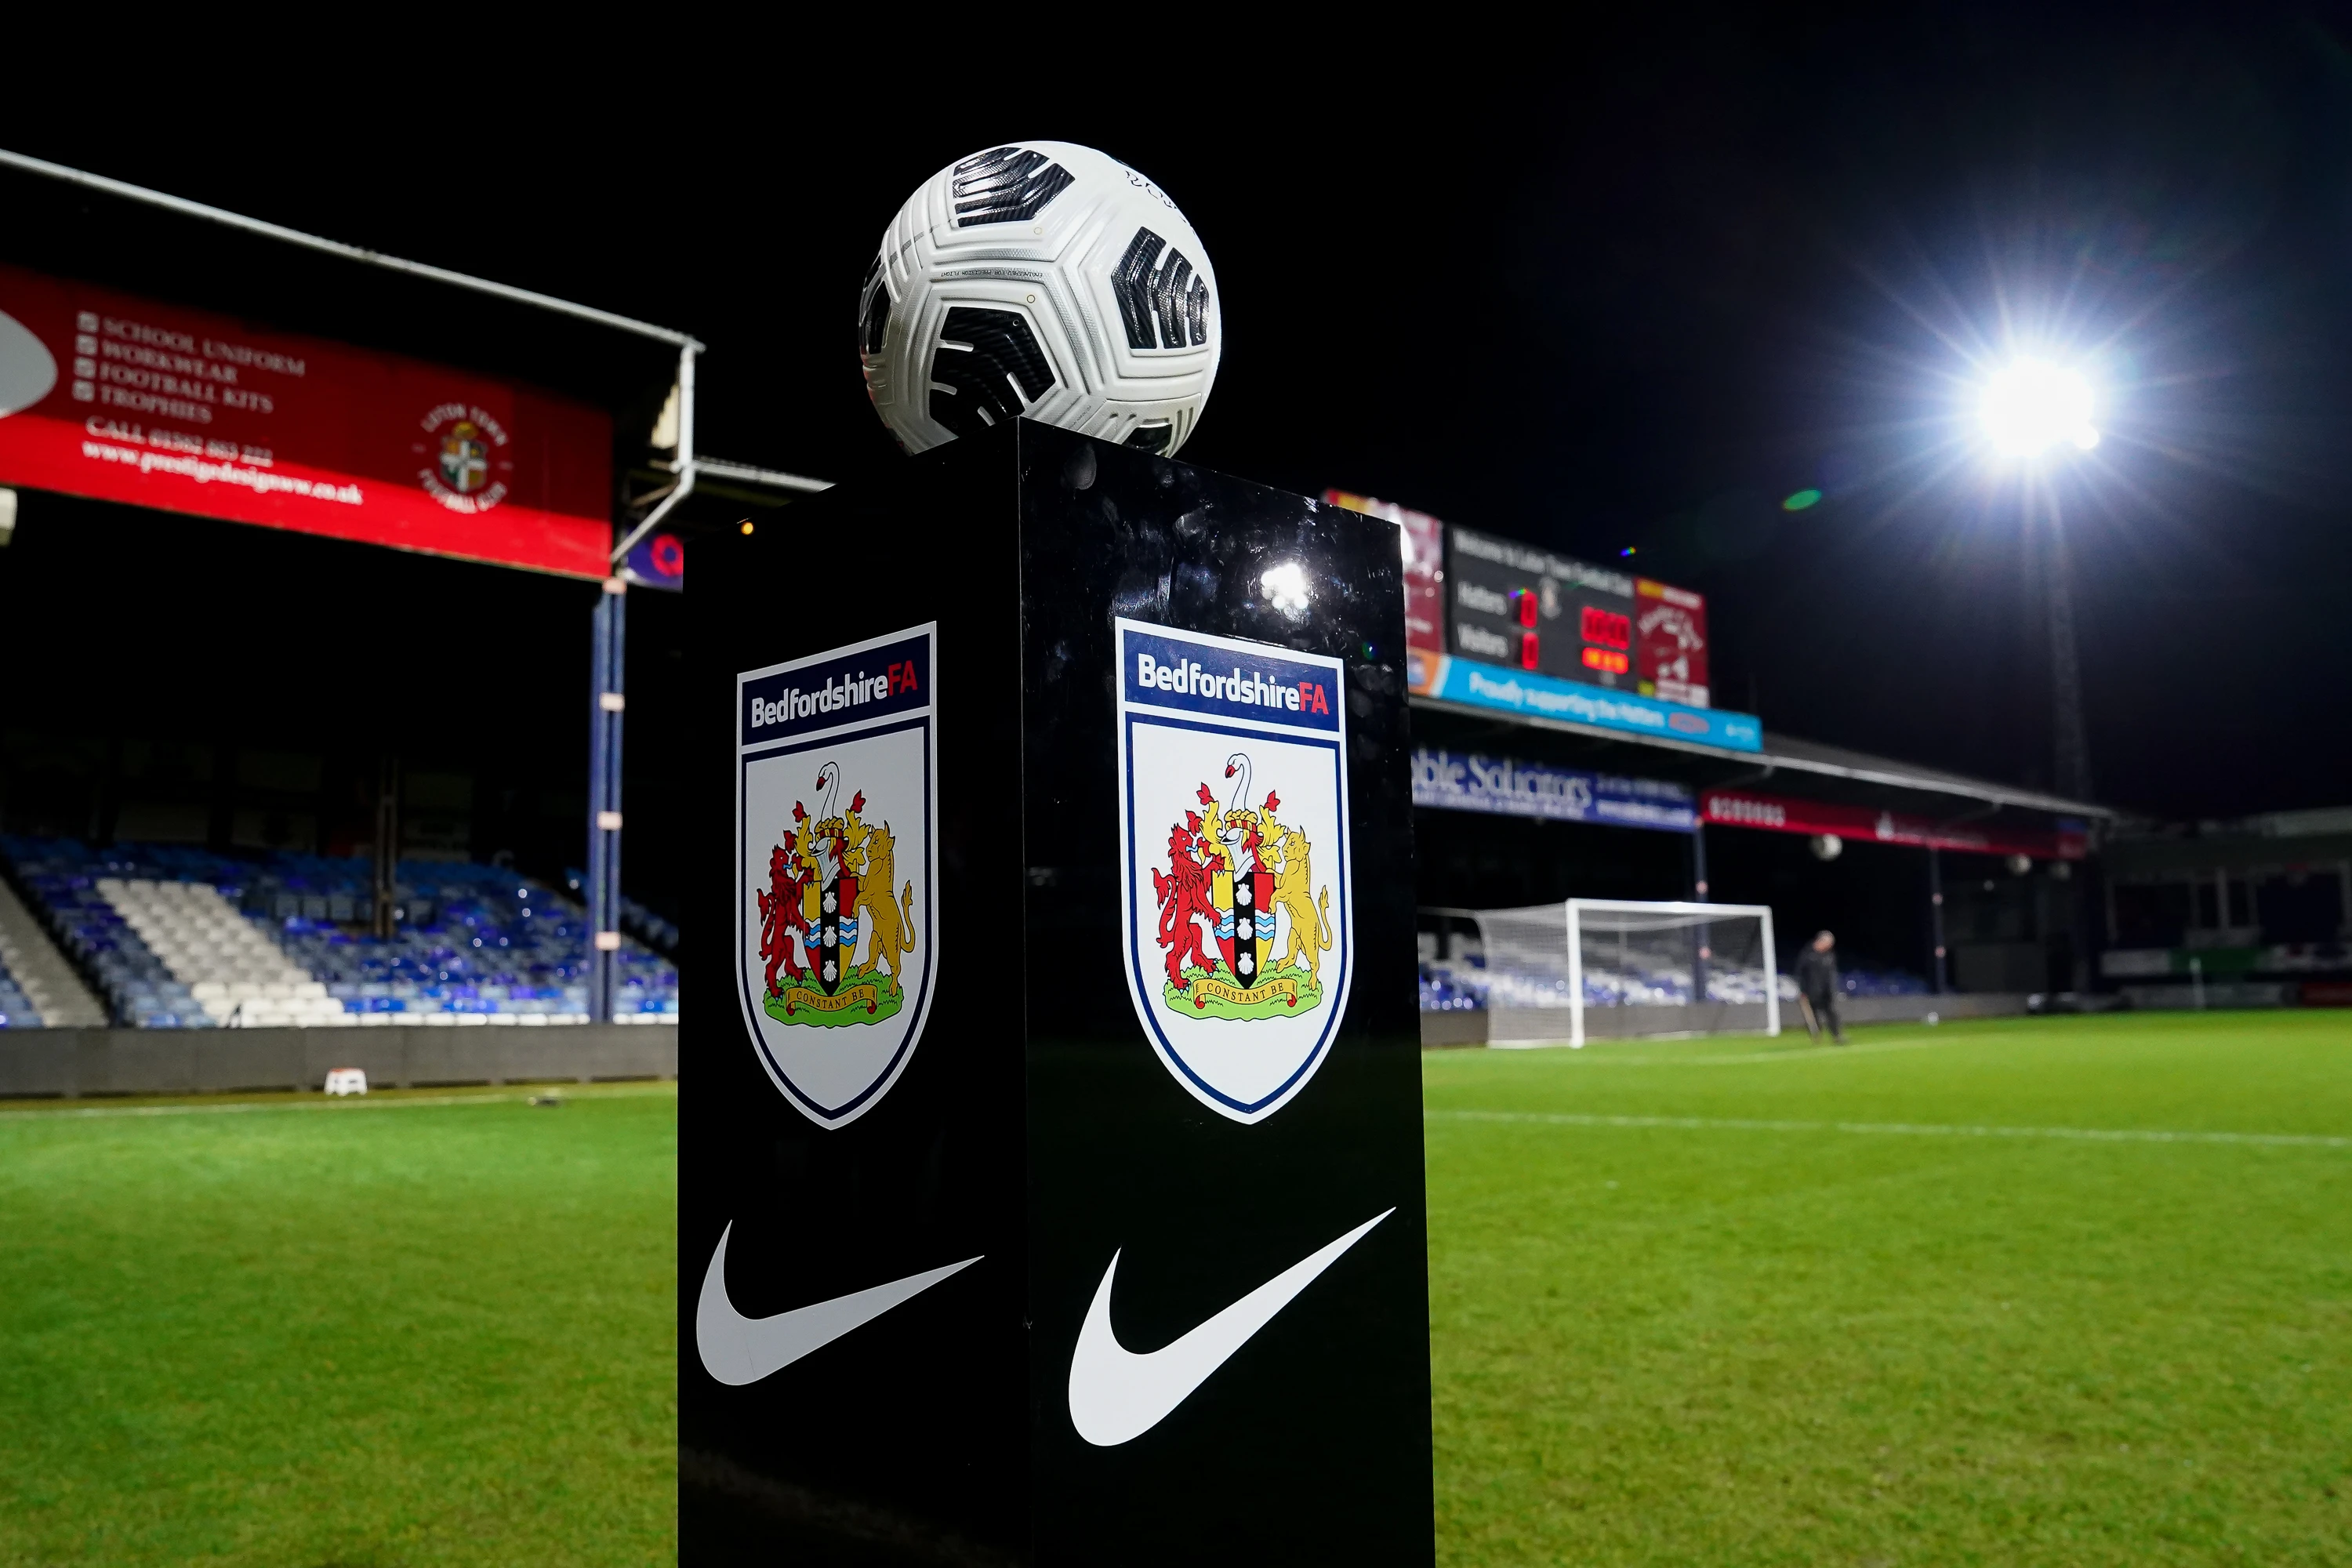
1670,633
1783,814
118,398
1425,581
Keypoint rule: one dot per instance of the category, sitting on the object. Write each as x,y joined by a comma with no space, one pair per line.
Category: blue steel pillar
606,703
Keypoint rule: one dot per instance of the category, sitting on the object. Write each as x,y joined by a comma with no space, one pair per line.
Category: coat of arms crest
1234,787
834,939
470,450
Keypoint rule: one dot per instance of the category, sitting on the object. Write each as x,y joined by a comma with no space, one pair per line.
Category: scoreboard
1478,595
1511,603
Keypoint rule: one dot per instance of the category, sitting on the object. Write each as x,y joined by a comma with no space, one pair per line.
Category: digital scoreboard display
1481,596
1510,604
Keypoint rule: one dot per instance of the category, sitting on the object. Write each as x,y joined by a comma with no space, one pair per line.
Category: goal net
1613,969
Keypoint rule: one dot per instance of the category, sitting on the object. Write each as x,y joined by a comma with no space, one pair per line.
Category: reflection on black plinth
1035,1127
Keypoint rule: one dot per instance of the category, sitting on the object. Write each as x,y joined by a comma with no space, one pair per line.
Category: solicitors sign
124,399
1504,786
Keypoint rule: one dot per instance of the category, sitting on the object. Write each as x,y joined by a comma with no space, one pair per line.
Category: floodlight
2033,404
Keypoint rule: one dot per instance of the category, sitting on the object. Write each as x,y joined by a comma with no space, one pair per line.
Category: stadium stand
232,972
16,1011
1451,986
179,938
47,994
639,921
1462,984
649,928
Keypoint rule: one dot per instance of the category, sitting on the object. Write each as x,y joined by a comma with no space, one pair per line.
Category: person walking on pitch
1817,988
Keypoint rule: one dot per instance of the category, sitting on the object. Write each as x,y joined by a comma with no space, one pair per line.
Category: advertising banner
122,399
656,561
1784,814
1504,786
1670,642
1425,581
1480,684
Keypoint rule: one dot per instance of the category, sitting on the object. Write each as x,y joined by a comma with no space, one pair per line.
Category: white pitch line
1560,1052
1908,1129
358,1103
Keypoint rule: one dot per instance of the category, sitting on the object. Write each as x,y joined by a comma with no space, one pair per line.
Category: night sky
1631,299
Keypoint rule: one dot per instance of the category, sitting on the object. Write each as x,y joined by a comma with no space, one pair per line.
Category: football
1044,280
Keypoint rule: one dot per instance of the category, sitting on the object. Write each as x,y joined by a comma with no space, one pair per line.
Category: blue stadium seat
176,937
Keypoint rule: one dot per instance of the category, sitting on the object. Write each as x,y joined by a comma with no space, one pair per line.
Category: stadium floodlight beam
2033,404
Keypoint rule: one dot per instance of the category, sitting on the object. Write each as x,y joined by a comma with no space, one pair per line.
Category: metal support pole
2093,910
387,847
684,464
606,702
2073,747
1935,912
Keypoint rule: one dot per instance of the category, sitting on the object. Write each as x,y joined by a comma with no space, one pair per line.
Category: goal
1617,969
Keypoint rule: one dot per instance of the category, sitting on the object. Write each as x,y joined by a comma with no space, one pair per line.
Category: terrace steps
47,980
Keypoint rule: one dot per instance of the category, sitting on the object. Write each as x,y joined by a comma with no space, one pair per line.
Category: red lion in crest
779,913
1182,895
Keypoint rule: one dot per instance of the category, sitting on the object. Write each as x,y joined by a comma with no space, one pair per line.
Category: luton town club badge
836,868
1234,814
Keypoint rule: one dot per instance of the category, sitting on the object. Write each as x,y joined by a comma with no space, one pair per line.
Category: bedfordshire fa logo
832,881
837,868
1235,917
1244,879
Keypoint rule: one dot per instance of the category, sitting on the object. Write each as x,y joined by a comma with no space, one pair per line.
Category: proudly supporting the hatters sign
1233,817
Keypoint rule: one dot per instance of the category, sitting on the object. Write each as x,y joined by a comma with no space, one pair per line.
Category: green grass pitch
2076,1291
345,1333
1754,1302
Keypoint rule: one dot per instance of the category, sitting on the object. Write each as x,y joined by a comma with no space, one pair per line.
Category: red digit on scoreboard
1607,627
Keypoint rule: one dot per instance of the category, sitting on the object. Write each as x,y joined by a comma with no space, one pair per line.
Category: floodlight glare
2032,406
1286,586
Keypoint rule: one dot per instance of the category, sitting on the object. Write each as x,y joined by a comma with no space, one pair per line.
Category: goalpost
1620,968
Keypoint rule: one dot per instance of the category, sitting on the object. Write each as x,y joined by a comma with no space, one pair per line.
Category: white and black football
1044,280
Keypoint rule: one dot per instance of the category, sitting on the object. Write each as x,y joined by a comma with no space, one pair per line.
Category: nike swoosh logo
1117,1396
737,1350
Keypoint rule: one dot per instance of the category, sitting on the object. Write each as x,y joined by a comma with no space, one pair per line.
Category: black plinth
1090,1230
